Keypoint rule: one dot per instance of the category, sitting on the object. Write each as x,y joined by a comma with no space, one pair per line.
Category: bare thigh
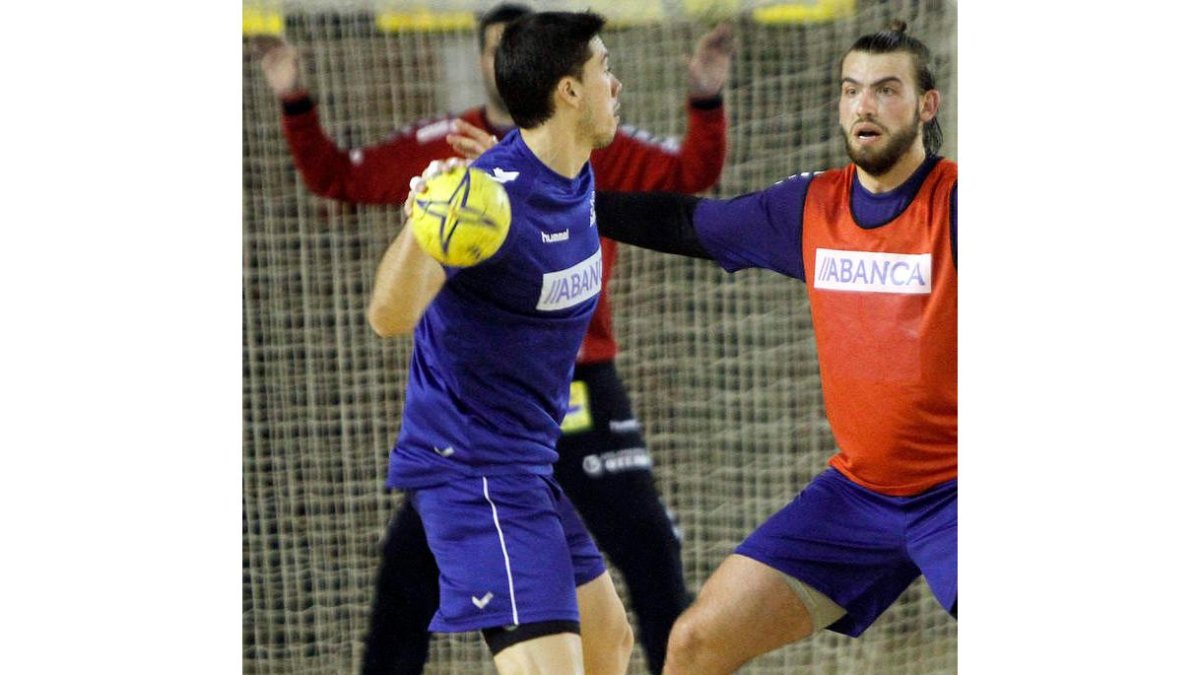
744,609
547,655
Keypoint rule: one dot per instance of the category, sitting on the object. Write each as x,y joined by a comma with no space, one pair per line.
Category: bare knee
607,635
691,642
619,633
608,649
626,637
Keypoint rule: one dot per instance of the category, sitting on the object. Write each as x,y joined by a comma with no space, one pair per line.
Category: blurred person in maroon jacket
604,465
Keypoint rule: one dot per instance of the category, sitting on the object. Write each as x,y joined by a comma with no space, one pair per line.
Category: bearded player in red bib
876,244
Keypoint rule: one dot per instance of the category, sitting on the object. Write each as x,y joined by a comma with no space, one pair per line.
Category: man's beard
878,161
603,140
599,139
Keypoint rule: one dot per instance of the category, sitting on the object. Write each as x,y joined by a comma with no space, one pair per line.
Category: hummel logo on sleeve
482,602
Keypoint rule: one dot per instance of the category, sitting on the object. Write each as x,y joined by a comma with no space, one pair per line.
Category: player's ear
931,102
570,90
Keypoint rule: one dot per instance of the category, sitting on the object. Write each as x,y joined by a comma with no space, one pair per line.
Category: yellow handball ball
461,218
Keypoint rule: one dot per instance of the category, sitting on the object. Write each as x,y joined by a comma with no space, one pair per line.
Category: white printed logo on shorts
482,602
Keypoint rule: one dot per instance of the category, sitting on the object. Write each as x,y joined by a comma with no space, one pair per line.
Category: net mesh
721,368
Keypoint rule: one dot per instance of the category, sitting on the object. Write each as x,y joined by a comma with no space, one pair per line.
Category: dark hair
894,39
505,12
536,52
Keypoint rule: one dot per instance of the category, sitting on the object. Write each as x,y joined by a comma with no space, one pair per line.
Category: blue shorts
861,548
510,550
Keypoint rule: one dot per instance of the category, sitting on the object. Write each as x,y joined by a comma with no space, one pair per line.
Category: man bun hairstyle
895,39
536,52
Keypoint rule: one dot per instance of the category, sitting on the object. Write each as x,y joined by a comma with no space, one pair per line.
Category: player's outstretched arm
659,221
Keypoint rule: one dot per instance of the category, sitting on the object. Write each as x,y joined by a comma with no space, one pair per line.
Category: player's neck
901,171
557,146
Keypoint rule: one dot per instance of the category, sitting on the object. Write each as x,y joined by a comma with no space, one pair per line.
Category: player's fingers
483,138
719,39
728,39
416,185
435,167
465,128
472,148
464,146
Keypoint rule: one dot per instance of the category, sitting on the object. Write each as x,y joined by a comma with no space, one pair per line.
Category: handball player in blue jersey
493,353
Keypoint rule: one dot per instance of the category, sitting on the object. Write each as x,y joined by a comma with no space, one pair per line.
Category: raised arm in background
636,160
379,173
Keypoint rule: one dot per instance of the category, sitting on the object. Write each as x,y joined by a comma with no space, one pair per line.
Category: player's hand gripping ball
461,217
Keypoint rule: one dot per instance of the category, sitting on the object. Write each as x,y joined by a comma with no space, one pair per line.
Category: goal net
721,368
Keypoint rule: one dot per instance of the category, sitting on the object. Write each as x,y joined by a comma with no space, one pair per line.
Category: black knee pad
503,637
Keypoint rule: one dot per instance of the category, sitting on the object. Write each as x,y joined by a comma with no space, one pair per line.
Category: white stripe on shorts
503,549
